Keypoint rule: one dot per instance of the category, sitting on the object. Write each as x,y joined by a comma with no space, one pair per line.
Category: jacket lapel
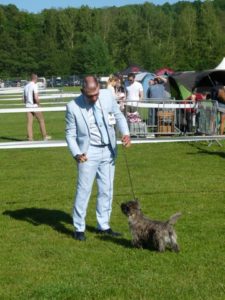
104,111
82,105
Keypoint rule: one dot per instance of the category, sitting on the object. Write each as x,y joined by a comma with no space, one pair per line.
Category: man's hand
36,99
80,158
126,141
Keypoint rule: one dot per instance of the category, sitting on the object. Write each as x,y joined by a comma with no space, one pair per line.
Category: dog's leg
174,245
161,245
136,243
158,242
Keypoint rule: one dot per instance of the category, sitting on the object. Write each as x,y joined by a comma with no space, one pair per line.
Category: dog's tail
173,219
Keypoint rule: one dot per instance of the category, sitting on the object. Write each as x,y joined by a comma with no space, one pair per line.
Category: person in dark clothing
218,94
156,91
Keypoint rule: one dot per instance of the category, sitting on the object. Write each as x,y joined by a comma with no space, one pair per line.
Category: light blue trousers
100,165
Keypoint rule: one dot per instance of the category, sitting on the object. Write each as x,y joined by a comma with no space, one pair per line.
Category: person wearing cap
156,88
90,135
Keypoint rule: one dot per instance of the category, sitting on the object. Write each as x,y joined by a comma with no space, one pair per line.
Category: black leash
128,171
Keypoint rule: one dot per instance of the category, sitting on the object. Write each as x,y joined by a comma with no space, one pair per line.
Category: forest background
183,36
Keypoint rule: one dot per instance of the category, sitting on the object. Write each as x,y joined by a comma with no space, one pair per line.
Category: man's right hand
80,158
126,141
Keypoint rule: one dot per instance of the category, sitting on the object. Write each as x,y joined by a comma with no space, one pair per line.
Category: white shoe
47,138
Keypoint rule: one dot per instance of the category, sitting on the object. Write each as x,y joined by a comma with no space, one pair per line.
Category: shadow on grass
116,240
56,220
202,150
7,138
42,216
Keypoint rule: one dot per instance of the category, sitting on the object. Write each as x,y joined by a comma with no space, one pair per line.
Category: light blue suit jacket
77,127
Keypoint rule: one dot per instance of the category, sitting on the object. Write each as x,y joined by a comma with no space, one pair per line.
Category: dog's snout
124,208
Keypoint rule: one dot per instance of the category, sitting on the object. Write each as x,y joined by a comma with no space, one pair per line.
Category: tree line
182,36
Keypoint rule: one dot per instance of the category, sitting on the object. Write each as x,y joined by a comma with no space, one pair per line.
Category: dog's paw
176,248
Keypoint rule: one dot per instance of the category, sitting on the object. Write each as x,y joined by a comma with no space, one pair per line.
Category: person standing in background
156,91
156,88
218,94
120,93
31,100
134,89
111,85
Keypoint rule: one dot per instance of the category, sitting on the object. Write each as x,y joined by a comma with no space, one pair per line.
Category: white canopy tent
221,66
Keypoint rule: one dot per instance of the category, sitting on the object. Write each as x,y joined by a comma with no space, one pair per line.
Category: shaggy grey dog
148,233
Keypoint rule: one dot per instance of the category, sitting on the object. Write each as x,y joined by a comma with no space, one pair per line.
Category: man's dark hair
131,75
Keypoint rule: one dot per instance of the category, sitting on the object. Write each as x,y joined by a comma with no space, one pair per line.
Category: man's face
131,80
92,98
91,89
151,82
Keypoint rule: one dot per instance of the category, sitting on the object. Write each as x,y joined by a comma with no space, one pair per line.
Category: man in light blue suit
90,135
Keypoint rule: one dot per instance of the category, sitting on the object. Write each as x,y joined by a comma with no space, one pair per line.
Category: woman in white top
111,85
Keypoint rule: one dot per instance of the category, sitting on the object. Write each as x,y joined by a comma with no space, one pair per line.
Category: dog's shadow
54,218
125,243
116,240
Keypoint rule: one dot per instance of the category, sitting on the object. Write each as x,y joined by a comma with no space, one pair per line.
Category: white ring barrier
63,108
43,103
160,105
50,96
16,90
33,109
62,143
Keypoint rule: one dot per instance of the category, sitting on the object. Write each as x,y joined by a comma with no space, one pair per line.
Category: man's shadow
43,216
202,150
57,220
8,138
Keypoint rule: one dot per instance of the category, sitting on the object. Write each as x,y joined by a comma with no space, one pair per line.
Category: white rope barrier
43,97
43,103
62,143
63,108
33,109
160,105
6,91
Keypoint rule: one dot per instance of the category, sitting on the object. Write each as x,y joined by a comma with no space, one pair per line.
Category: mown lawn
41,260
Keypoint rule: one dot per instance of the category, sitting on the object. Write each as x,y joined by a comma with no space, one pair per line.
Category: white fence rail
145,129
170,117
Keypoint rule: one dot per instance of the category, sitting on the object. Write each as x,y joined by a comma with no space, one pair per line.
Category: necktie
101,125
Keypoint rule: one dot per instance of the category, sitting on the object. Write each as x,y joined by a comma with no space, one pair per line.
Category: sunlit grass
40,259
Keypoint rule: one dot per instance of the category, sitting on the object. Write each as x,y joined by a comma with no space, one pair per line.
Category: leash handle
128,171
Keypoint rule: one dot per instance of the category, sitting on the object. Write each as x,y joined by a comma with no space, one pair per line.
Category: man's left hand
126,141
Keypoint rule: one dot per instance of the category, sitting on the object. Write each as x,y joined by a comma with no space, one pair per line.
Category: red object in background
164,71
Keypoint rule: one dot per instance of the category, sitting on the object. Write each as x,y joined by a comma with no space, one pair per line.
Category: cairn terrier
146,233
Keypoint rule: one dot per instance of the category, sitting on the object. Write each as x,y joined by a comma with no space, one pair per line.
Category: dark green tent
181,84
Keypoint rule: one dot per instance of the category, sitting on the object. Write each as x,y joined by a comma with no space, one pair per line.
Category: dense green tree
92,57
211,37
57,42
186,38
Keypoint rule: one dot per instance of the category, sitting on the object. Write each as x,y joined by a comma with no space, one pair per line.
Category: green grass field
41,260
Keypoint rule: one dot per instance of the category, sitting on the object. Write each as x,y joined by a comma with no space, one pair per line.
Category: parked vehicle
41,82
